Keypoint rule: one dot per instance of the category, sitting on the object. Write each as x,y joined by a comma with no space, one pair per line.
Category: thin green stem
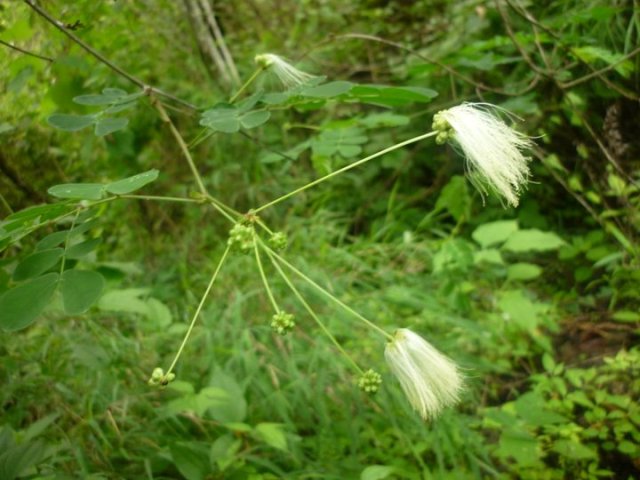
183,146
6,204
332,297
161,199
66,243
344,169
223,212
200,305
301,299
246,84
264,278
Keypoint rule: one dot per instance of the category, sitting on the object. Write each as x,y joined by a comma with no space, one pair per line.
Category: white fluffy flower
289,75
430,380
493,149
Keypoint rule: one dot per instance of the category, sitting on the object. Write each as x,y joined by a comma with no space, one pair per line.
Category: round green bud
242,238
278,241
282,323
370,381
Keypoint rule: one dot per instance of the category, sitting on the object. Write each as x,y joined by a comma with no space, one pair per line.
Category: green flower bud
282,323
278,241
370,381
242,238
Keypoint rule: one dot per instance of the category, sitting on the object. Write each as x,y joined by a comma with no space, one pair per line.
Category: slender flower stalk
430,380
289,75
492,148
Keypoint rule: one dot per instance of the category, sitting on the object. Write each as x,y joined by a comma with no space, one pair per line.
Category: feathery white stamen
289,75
430,380
493,149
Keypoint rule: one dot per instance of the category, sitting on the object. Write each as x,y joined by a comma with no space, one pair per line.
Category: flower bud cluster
370,381
159,379
242,238
282,323
444,129
278,241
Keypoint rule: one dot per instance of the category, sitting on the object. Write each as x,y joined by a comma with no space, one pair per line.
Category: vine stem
157,198
246,84
264,277
344,169
60,26
200,305
304,303
66,242
183,146
328,294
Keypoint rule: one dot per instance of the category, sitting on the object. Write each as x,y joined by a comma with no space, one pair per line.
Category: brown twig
60,26
446,68
26,52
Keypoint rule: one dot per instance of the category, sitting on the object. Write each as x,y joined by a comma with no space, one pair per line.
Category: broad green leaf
15,461
328,90
70,123
224,118
20,306
81,249
95,99
385,119
126,300
131,184
52,240
626,316
573,450
108,125
37,263
494,232
520,445
488,255
254,119
532,240
376,472
115,92
591,53
455,198
391,96
224,449
272,434
520,310
191,459
80,289
523,271
78,191
44,212
233,408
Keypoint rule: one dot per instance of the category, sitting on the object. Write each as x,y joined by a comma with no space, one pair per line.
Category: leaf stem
183,146
60,26
344,169
157,198
332,297
200,305
310,311
264,277
246,84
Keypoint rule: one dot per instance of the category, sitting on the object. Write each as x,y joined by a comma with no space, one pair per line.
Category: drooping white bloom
493,149
430,380
289,75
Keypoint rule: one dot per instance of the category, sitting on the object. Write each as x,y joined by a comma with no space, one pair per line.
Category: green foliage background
539,304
